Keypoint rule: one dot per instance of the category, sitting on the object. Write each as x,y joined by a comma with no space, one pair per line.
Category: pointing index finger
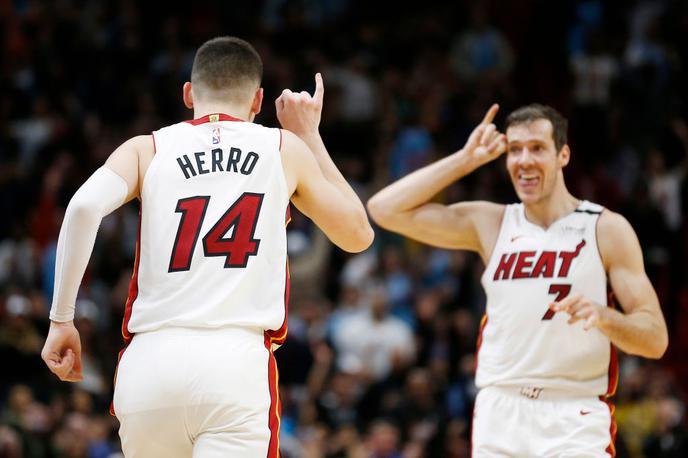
491,113
319,88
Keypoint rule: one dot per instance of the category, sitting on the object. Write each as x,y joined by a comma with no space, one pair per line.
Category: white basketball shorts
198,393
535,422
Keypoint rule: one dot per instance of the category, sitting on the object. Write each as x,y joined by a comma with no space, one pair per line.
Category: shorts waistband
538,393
239,331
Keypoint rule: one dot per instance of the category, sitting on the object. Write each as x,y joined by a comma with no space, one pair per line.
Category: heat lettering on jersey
202,162
522,264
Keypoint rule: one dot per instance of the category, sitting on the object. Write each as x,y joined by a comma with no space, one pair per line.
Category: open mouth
526,180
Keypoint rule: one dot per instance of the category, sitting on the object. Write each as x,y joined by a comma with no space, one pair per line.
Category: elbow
80,209
362,237
658,347
85,206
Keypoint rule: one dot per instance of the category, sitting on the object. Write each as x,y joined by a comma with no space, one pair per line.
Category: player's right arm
404,206
112,185
318,188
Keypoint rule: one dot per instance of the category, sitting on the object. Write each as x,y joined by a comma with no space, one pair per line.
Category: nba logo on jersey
216,136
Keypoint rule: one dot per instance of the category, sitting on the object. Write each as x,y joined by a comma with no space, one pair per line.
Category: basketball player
545,368
207,301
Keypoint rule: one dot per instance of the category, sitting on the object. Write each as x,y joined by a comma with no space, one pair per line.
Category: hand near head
300,112
486,143
62,351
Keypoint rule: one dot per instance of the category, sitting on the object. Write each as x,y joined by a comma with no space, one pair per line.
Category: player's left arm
107,189
639,328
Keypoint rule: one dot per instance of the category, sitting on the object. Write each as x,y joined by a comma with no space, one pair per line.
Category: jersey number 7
242,216
561,290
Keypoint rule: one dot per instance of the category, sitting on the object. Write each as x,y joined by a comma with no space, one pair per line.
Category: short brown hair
535,111
227,67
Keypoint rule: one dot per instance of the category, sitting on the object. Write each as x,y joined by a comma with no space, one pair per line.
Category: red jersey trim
133,288
216,117
613,372
278,336
478,344
133,294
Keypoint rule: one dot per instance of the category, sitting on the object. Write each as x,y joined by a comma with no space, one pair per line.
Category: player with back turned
207,301
546,362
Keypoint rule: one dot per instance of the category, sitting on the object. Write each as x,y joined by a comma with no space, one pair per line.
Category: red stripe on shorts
275,412
611,448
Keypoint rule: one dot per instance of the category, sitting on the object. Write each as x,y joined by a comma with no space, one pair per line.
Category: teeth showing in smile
527,177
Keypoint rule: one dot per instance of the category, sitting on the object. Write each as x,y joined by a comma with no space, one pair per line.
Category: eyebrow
527,141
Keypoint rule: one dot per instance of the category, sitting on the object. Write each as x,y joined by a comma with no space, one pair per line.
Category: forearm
638,333
328,168
78,232
100,194
422,185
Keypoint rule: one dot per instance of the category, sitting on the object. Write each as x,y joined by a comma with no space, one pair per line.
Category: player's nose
526,157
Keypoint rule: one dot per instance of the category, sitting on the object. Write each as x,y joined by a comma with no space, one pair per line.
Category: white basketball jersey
522,343
212,245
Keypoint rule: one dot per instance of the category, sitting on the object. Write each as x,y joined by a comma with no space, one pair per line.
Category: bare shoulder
142,141
292,145
131,160
616,239
142,146
486,220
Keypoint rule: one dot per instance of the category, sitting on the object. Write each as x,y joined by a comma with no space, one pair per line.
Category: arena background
404,86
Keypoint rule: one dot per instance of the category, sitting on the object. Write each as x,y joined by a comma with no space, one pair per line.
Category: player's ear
257,102
187,95
564,156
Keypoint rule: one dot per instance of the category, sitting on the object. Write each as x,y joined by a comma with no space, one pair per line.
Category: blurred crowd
379,361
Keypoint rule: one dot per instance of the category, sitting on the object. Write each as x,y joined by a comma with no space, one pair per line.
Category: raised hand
300,112
486,143
62,351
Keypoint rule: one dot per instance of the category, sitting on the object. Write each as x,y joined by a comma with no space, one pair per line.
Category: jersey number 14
242,216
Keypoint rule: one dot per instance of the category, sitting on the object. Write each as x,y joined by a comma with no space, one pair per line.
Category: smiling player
546,355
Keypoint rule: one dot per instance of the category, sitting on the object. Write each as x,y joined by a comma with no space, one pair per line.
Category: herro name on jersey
217,160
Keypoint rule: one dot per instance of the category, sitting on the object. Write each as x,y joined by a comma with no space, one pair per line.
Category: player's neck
559,204
236,111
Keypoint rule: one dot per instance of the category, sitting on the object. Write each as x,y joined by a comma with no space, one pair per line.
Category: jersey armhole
597,243
488,260
150,167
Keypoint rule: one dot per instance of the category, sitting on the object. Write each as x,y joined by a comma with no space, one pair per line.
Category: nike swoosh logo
585,412
516,237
